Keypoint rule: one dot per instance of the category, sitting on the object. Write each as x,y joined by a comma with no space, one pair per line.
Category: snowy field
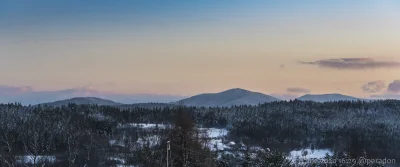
215,134
215,143
309,154
211,132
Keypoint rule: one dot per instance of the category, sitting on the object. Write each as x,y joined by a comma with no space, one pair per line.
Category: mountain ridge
231,97
32,97
227,98
329,97
83,100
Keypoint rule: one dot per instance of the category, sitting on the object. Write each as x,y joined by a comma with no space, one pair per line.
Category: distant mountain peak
84,100
231,97
237,89
327,94
328,97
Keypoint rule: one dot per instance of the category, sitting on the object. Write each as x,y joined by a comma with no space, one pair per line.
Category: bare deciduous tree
36,137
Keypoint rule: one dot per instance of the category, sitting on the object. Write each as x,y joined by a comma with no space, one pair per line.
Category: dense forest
263,135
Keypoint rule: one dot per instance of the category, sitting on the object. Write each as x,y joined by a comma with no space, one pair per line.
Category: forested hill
329,97
228,98
83,100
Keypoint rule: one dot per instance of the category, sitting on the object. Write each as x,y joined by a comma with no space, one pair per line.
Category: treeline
80,135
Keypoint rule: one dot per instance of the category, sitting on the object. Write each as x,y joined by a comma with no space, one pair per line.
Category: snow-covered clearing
215,132
217,144
309,154
216,135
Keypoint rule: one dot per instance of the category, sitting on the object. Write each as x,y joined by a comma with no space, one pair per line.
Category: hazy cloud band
353,63
298,90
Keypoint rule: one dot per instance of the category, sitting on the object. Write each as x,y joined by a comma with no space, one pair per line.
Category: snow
216,136
211,132
29,159
120,160
112,142
116,143
153,140
144,126
217,144
311,154
256,149
215,132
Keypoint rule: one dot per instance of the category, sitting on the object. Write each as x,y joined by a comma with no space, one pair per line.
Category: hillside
84,100
327,97
228,98
147,105
27,96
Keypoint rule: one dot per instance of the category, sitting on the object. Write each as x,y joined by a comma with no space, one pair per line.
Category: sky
283,48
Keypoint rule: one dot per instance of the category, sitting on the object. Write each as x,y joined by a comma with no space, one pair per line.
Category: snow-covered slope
84,100
328,97
228,98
